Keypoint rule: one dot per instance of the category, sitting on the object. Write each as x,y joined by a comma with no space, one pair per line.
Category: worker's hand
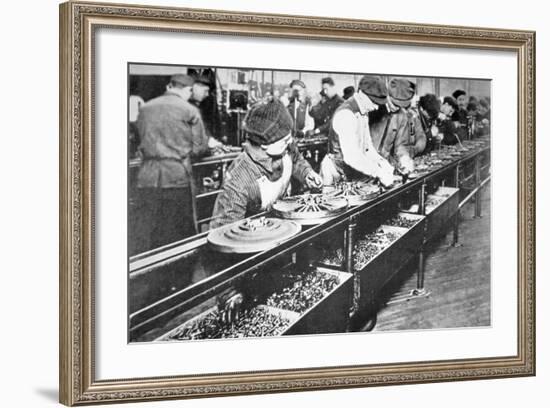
434,130
313,180
230,304
310,133
385,172
213,143
406,164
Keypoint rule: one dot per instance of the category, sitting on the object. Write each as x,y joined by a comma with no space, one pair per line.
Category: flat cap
375,88
182,79
401,92
458,92
201,79
297,82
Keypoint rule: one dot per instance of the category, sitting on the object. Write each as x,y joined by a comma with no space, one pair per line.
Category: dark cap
201,79
348,91
458,92
431,104
266,123
375,88
449,100
401,91
327,80
182,80
297,82
485,102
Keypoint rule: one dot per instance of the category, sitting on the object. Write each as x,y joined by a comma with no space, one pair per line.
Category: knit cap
267,122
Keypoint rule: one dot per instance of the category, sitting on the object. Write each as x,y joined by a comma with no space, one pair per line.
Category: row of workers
374,133
371,133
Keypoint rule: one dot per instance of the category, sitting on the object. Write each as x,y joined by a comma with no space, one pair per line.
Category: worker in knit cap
261,174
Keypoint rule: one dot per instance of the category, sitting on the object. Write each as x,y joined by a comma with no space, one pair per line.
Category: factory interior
397,237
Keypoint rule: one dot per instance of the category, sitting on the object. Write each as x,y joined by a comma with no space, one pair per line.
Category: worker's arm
317,111
321,112
324,127
231,204
302,170
402,145
309,122
363,158
300,166
407,144
200,138
420,137
448,129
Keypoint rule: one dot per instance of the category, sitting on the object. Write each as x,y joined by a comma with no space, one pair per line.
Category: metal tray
383,266
331,313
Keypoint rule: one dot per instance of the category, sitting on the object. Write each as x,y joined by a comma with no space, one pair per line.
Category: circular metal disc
356,192
252,235
310,209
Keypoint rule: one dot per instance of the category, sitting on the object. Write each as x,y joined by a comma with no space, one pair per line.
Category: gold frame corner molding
78,22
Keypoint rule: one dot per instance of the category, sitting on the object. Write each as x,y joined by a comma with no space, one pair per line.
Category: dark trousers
161,216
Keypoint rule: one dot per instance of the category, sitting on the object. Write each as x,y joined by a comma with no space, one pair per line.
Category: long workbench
174,283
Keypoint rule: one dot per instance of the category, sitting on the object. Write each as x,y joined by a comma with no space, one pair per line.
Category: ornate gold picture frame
78,24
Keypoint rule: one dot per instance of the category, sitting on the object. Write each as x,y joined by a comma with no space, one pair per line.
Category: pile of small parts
402,222
255,322
222,149
372,245
334,258
365,249
426,163
306,290
433,201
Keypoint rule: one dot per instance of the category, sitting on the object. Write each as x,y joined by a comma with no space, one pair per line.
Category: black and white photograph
267,202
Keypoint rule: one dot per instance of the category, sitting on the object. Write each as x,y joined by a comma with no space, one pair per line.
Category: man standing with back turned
172,134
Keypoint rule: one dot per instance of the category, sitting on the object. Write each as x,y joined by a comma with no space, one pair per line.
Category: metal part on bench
252,235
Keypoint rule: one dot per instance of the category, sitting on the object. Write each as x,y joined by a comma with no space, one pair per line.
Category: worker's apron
271,191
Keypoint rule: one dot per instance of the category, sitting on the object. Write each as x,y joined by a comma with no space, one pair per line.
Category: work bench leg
420,290
477,202
350,232
456,217
421,271
356,315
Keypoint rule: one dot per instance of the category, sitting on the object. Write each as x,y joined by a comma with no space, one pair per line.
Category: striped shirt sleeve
231,205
